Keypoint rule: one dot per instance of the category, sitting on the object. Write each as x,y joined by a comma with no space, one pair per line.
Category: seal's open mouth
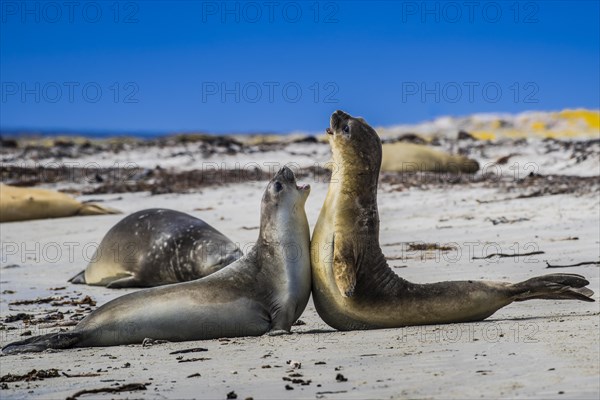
304,186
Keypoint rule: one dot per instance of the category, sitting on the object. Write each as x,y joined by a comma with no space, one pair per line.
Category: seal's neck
283,246
356,181
279,227
272,226
352,197
361,167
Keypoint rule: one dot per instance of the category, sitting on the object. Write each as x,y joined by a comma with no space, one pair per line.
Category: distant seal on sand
24,203
353,287
411,157
157,247
264,291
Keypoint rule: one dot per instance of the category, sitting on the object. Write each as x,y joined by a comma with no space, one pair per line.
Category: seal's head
354,143
284,195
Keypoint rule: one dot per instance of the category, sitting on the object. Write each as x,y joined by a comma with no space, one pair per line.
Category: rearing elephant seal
157,247
353,287
264,291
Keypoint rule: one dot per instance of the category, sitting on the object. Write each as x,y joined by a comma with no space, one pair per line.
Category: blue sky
157,66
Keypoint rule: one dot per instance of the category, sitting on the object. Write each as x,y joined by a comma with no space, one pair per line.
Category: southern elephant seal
411,157
264,291
24,203
353,287
157,247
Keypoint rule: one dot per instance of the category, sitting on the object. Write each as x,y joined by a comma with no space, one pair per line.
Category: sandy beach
457,143
543,199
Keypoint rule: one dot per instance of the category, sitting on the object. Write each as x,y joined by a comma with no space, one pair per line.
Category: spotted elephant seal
24,203
354,288
264,291
157,247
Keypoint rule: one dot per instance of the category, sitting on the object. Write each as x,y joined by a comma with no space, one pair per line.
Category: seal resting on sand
411,157
24,203
157,247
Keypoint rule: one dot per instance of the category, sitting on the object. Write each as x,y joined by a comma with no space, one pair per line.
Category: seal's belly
343,313
337,311
137,318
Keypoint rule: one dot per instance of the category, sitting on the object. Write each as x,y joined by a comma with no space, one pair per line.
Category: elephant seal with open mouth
264,291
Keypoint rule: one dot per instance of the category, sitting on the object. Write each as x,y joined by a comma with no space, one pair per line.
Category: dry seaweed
548,265
129,387
33,375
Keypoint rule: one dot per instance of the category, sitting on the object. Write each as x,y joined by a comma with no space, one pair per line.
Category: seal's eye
346,129
278,187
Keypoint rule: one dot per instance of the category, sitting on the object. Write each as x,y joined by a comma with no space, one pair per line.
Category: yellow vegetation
591,118
484,135
538,126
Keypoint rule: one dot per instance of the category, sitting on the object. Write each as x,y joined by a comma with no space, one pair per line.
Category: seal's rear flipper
62,340
79,278
96,209
554,286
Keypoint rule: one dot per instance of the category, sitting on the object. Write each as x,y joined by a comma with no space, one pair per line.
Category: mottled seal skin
265,291
354,288
157,247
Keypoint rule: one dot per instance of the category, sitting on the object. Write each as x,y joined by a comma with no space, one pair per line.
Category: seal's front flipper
79,278
127,282
554,286
344,265
62,340
278,332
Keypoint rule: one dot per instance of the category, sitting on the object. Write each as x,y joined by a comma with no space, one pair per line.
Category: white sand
535,349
